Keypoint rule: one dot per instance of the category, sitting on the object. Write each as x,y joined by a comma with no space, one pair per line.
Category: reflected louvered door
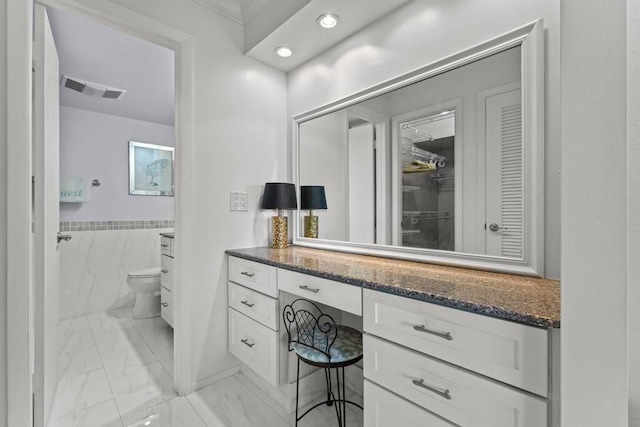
504,175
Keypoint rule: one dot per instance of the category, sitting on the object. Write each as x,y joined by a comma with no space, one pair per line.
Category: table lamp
279,195
312,197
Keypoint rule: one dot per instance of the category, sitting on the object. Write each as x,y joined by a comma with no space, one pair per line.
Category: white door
504,175
362,185
46,215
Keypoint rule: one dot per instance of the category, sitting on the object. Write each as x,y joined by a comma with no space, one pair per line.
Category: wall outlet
239,201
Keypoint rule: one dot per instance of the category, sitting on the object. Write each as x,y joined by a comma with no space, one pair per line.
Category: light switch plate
238,201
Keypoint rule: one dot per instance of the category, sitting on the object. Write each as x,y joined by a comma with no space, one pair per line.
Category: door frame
19,171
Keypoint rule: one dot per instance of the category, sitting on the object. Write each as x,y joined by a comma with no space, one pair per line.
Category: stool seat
346,348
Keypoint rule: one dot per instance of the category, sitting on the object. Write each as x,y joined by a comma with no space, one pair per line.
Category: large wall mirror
444,164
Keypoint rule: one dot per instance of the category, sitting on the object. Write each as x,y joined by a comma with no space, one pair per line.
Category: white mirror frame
531,39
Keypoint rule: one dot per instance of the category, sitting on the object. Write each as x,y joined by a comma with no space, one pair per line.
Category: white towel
75,190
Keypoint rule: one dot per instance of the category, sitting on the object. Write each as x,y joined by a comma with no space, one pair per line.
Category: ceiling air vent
91,89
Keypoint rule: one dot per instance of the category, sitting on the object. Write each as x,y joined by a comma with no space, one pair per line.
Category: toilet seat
145,273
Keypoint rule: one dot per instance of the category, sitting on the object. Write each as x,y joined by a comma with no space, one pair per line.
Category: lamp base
280,232
311,226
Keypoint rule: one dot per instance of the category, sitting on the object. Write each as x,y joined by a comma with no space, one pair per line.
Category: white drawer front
255,345
475,401
166,246
259,307
166,308
383,409
335,294
260,277
166,272
509,352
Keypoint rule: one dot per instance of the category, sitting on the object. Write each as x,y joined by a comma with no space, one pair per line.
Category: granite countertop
168,235
526,300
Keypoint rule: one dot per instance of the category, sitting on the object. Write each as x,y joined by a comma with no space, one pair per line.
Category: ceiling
96,53
99,54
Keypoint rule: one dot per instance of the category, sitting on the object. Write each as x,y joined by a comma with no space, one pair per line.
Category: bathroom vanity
166,277
443,346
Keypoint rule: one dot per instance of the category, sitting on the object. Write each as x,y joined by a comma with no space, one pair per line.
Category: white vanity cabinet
423,363
254,317
166,278
471,370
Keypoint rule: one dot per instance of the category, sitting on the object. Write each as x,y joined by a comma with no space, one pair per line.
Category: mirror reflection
437,164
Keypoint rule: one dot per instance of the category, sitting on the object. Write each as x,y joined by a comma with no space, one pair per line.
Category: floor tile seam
186,397
105,374
265,401
156,357
84,410
60,352
81,373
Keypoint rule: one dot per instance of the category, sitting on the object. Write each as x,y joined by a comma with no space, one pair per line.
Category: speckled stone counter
531,301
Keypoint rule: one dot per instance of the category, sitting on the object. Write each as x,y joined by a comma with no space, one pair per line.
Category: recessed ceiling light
328,20
283,51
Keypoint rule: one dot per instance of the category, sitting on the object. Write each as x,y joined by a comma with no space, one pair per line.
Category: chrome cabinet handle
65,237
244,273
495,227
306,288
164,271
445,335
247,303
164,304
420,383
247,343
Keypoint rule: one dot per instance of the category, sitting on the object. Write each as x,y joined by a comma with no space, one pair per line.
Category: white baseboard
197,385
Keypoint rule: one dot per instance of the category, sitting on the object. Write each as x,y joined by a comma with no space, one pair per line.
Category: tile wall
94,264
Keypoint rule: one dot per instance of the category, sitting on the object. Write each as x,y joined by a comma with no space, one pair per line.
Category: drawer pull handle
445,335
244,273
421,383
247,303
163,271
164,304
164,246
247,343
306,288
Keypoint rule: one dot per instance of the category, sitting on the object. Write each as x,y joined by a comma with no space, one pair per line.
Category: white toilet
146,284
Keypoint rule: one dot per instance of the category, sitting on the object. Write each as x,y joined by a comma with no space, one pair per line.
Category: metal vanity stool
319,341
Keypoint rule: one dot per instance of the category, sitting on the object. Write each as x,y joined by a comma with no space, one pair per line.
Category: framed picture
150,169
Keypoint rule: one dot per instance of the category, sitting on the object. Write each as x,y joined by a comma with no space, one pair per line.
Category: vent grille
112,94
75,85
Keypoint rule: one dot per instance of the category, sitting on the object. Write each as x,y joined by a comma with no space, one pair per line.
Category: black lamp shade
312,197
279,195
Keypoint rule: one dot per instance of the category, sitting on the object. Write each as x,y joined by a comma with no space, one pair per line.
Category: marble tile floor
117,371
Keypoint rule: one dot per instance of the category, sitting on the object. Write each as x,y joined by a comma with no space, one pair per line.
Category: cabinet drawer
166,305
464,398
166,246
257,306
383,409
255,345
259,277
509,352
339,295
166,272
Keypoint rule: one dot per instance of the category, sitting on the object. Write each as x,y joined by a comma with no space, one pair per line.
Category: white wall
633,195
96,145
404,41
239,143
594,214
3,215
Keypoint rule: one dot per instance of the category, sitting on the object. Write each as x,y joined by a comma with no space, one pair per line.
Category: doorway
182,46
